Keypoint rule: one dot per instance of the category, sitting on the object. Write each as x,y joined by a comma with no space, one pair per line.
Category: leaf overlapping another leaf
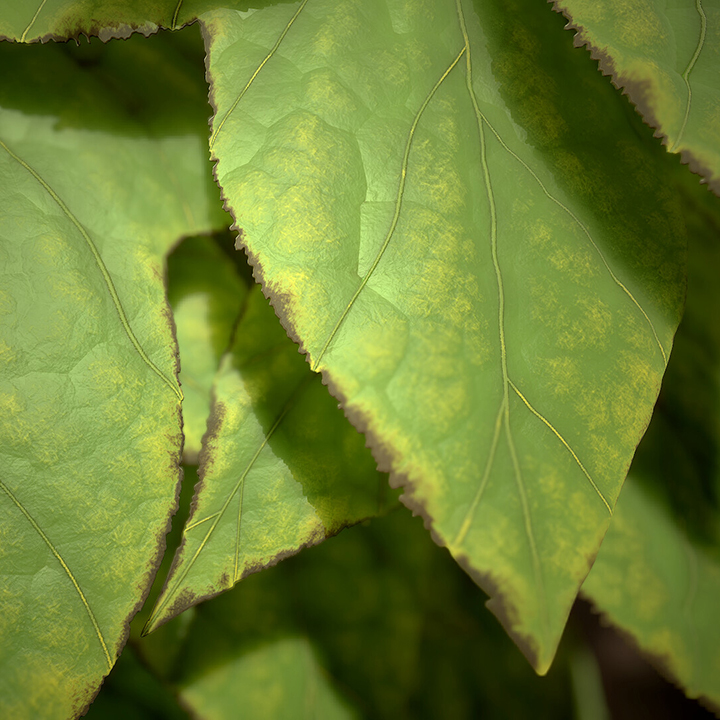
665,57
657,575
280,469
463,269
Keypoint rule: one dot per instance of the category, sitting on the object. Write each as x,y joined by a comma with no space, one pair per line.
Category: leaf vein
689,69
470,515
564,442
32,22
65,567
218,516
285,31
398,207
175,15
522,492
103,271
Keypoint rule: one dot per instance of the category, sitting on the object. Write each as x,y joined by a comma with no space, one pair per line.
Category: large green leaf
657,575
453,214
665,56
280,469
89,427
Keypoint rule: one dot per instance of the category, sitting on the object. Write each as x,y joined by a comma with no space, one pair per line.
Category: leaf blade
400,288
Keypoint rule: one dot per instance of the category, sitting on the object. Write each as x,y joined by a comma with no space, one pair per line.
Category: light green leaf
657,575
452,212
89,401
280,468
665,56
206,293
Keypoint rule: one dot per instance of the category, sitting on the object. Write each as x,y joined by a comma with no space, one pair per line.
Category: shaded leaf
89,419
452,213
657,575
666,58
278,680
206,293
395,625
281,468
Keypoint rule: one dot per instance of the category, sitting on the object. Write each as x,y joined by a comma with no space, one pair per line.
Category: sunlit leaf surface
281,467
665,56
453,215
89,403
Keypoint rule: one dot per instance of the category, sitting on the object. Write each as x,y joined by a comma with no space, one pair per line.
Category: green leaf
280,469
280,680
651,580
89,402
206,293
455,216
666,58
657,575
390,620
33,20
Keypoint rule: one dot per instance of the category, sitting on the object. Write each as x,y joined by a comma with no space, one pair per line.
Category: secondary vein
396,214
103,271
218,515
32,22
285,31
688,70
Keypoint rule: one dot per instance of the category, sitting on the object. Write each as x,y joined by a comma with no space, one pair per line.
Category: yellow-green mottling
467,278
280,455
90,427
654,581
665,57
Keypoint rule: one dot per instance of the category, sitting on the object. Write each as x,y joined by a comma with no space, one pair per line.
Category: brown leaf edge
187,599
499,602
639,93
87,695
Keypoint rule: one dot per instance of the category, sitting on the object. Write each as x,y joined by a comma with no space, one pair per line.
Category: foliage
481,251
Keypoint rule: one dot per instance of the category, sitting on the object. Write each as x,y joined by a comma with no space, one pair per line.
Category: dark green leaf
657,575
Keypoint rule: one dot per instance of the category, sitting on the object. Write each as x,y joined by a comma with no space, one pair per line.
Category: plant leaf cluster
484,257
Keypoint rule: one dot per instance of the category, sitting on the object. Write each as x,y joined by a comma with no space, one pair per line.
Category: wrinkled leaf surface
89,420
452,214
281,468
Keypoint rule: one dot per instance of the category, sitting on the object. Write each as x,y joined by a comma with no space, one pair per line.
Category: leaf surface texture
280,469
666,58
460,264
90,425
